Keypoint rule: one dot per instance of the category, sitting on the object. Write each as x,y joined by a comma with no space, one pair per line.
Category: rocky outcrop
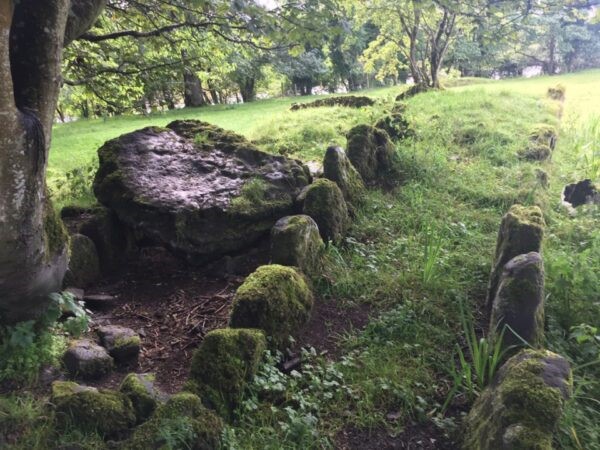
224,364
338,168
196,188
521,232
275,299
523,405
374,156
87,360
295,241
350,101
84,265
519,303
325,203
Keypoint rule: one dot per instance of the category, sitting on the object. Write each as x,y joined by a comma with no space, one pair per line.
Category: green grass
414,255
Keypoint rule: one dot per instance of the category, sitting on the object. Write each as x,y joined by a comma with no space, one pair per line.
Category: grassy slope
414,254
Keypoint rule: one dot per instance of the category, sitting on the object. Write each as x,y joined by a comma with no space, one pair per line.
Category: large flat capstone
196,188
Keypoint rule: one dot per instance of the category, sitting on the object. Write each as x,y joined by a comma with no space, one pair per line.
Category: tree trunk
33,250
192,89
248,90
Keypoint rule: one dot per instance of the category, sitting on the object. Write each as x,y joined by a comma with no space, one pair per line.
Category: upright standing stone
374,156
338,168
521,231
295,241
519,302
522,406
325,203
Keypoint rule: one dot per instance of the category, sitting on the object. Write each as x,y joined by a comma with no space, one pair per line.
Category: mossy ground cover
413,254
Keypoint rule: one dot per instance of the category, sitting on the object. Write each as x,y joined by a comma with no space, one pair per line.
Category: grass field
414,255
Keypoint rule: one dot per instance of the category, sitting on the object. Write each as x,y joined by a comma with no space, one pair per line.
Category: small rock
84,265
315,168
295,241
79,294
87,360
88,409
98,301
122,343
144,396
275,299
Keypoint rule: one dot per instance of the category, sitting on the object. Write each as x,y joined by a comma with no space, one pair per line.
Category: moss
374,156
521,232
536,151
544,134
557,92
107,412
222,366
338,168
256,196
523,406
295,241
56,236
139,388
350,101
182,420
275,299
325,203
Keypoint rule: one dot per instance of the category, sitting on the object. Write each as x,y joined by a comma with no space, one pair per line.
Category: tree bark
33,254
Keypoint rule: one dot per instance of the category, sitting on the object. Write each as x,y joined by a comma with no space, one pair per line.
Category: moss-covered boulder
522,407
275,299
295,241
122,343
396,126
88,409
536,151
544,134
415,89
374,156
519,303
140,389
199,190
87,360
84,265
222,366
112,239
325,203
521,232
557,92
338,168
181,423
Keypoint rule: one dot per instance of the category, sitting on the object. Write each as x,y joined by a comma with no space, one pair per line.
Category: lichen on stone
275,299
222,366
